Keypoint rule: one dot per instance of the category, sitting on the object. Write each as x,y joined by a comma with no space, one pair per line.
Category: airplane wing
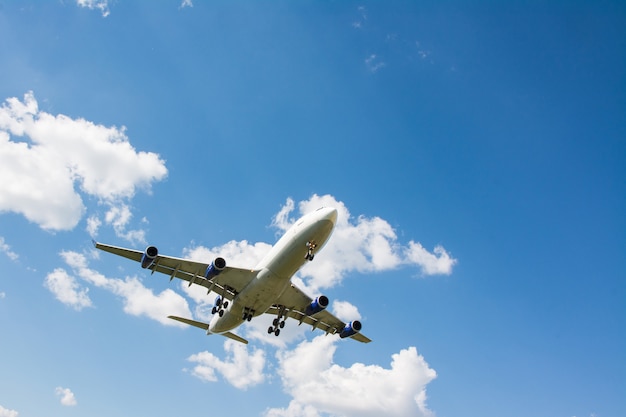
296,303
228,283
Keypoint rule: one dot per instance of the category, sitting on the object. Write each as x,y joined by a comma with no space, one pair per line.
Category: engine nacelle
319,304
215,268
351,329
147,259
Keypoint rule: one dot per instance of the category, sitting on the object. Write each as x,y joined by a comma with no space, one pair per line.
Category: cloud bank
47,161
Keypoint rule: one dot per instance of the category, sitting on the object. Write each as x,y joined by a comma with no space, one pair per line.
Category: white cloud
119,217
67,290
345,311
438,262
67,396
93,224
57,157
2,294
186,3
5,412
6,249
138,300
102,5
317,385
241,368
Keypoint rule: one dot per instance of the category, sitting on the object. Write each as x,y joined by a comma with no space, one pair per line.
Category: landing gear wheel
221,313
276,332
282,324
214,310
225,304
270,330
249,317
275,322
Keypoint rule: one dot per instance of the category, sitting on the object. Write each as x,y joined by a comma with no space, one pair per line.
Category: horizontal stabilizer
190,322
235,337
205,326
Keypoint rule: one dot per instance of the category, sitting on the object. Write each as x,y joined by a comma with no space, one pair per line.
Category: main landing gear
247,314
219,306
311,245
278,323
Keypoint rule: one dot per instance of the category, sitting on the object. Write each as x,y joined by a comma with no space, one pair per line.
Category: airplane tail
205,327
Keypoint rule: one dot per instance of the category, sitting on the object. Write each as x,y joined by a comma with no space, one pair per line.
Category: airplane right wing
296,303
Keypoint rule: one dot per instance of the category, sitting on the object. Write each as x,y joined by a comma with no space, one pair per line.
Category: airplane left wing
296,303
227,283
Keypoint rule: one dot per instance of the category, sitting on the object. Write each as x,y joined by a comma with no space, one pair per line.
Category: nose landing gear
310,254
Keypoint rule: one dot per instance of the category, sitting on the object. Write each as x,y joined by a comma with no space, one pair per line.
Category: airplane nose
331,215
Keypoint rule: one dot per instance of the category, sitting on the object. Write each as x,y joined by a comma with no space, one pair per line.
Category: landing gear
247,314
278,323
310,254
219,306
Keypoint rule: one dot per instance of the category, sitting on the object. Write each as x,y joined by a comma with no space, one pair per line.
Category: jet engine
319,304
215,268
147,259
351,329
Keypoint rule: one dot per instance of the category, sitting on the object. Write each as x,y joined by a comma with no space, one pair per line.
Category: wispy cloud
66,396
6,249
186,3
59,158
359,22
373,63
101,5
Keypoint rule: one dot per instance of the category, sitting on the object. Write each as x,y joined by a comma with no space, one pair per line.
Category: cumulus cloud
317,385
66,395
101,5
138,300
5,412
47,160
6,249
241,368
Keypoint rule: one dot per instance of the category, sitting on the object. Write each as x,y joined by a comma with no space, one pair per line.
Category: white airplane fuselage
276,269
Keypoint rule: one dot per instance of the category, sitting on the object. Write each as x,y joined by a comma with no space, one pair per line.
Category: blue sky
476,154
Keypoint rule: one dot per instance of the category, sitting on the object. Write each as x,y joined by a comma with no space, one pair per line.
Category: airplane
244,294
